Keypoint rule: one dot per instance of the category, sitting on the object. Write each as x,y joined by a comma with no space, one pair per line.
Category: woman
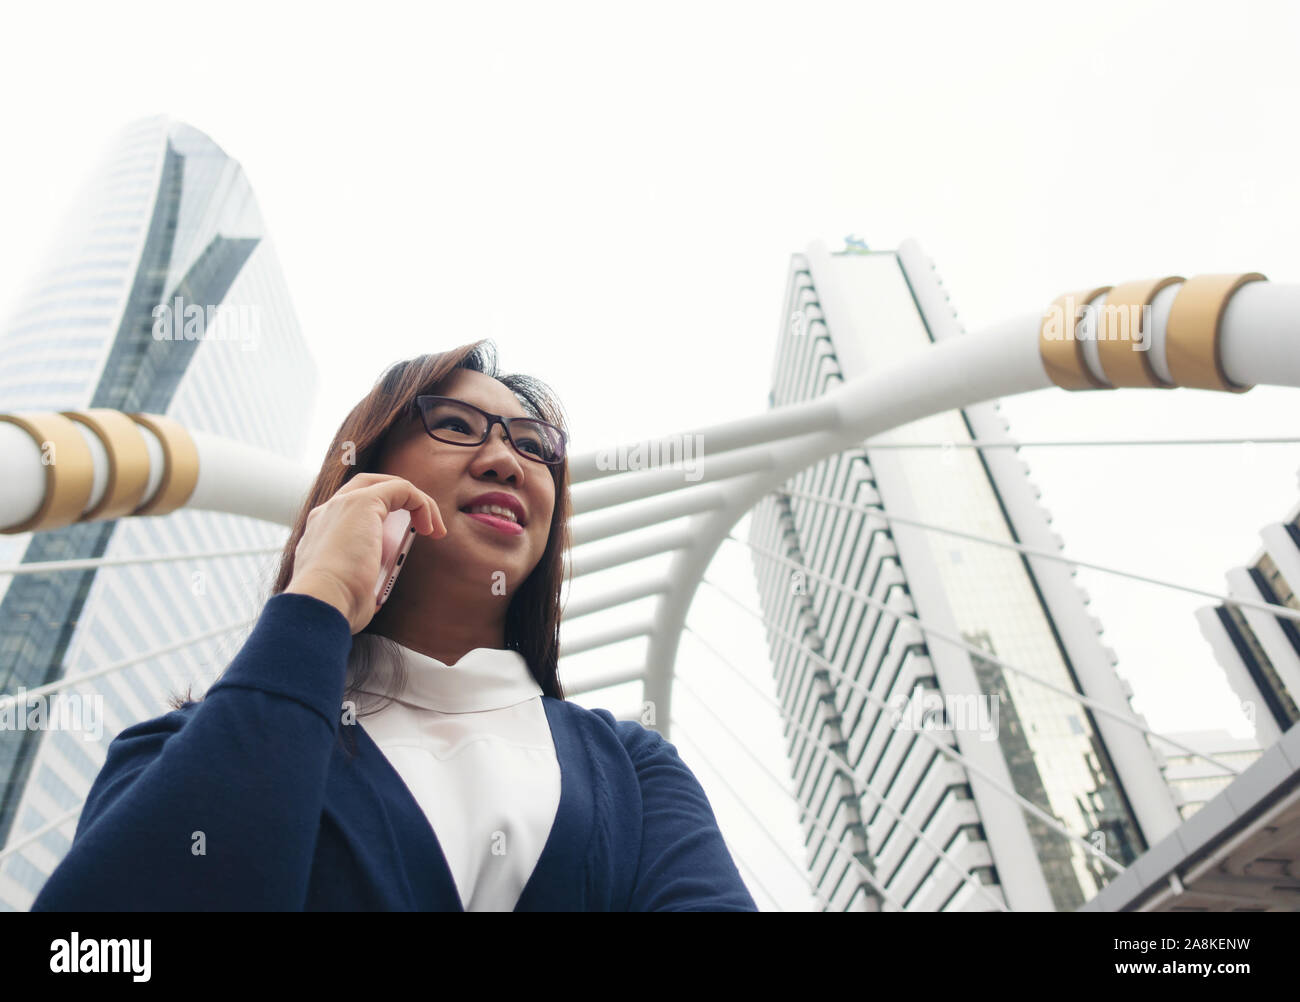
422,758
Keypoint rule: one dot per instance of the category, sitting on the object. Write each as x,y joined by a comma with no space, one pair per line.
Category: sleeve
685,864
217,806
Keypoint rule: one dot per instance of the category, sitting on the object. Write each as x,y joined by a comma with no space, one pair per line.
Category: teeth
492,509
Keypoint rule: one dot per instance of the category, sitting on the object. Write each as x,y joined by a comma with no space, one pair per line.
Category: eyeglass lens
457,424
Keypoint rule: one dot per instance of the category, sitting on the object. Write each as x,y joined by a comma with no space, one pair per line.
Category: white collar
485,678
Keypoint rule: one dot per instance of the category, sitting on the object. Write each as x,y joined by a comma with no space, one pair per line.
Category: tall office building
1260,653
932,833
162,295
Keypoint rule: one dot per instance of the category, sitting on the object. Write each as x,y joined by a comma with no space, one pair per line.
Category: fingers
365,480
398,492
424,512
437,528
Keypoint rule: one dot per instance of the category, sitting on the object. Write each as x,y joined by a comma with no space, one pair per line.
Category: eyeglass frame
492,420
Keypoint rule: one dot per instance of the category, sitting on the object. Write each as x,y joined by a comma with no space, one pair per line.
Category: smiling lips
501,523
501,511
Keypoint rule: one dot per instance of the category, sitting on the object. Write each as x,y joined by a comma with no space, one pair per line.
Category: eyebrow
484,407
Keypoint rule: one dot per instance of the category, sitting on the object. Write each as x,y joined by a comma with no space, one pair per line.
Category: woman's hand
337,558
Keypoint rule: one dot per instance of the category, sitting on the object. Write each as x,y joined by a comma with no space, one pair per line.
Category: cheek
438,477
546,507
542,523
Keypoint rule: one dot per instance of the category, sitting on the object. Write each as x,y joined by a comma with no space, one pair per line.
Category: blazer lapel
558,881
417,843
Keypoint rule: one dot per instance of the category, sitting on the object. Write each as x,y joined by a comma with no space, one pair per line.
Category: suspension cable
1120,717
89,563
837,845
758,823
875,700
889,808
7,700
799,868
1276,610
982,443
62,819
753,876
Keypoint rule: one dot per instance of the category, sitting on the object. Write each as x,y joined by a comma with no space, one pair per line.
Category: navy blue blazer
248,800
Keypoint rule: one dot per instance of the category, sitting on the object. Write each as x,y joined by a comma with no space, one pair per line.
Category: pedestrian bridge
685,493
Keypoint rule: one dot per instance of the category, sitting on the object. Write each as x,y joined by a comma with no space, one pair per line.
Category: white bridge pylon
1215,332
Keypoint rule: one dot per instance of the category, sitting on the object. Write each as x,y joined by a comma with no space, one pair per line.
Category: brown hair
533,618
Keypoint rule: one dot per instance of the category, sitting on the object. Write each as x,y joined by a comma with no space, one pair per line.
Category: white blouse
472,743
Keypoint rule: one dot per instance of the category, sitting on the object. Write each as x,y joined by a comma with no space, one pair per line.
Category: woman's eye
452,421
531,444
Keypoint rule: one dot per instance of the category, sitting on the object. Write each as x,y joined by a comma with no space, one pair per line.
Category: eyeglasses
459,423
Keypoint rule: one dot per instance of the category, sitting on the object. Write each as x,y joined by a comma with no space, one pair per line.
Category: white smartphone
399,534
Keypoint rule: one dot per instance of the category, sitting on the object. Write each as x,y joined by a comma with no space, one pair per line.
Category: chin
482,565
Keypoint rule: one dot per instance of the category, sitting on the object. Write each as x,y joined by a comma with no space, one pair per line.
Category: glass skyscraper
162,295
1260,653
931,833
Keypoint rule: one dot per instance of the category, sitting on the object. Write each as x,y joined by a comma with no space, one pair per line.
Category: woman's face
474,552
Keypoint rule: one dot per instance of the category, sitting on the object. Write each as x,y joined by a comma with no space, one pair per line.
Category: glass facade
166,216
1050,744
1260,653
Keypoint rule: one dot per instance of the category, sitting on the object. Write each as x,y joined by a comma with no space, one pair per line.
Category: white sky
613,194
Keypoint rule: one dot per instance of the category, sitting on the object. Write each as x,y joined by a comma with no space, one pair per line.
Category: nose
498,457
